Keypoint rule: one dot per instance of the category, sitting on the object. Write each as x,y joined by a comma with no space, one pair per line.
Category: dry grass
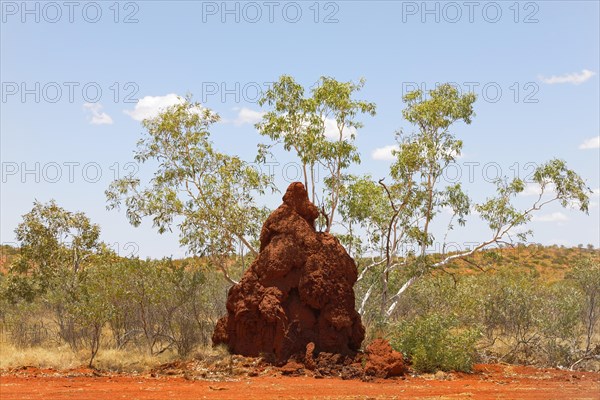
115,360
58,357
130,360
552,263
63,358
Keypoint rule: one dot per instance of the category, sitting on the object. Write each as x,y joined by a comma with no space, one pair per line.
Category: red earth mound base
379,361
383,361
299,290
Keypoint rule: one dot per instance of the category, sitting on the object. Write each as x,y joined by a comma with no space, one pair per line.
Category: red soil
299,290
487,382
383,361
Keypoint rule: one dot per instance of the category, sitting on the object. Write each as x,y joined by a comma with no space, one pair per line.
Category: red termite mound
298,290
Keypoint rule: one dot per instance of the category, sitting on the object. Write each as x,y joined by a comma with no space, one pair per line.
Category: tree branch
247,244
366,269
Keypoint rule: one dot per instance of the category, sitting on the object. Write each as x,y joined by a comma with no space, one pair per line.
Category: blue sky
77,78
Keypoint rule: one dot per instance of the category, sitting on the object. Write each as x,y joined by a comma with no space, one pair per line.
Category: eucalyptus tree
53,243
321,129
416,195
364,210
210,194
292,123
336,149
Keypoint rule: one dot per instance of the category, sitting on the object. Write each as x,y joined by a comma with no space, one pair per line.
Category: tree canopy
208,194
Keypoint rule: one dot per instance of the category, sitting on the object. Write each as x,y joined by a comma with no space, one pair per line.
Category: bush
157,305
435,342
586,277
512,312
560,329
128,304
521,316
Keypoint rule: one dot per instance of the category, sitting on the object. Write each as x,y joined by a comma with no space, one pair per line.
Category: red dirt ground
487,382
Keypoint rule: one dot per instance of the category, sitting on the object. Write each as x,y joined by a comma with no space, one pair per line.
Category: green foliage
433,146
300,124
333,101
83,289
363,205
436,342
423,156
416,196
536,321
586,277
522,316
568,187
557,184
444,106
512,309
291,121
149,305
51,238
211,192
151,302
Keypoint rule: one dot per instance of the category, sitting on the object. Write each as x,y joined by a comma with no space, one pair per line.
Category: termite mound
299,290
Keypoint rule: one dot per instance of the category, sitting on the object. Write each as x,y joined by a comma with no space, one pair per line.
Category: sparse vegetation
151,312
511,314
436,341
63,288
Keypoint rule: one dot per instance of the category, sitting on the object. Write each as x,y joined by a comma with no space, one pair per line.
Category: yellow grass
62,357
130,360
58,357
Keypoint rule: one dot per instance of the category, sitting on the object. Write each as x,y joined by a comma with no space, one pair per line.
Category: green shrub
435,342
127,304
586,277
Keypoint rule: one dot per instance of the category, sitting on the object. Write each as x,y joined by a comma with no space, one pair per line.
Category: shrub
435,342
586,277
512,312
560,329
126,304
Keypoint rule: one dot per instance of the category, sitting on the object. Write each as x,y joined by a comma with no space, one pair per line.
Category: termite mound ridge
298,290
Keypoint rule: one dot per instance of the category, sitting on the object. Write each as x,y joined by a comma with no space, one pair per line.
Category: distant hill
551,262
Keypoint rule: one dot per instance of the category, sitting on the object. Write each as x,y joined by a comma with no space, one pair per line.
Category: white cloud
98,117
384,153
531,189
596,194
534,189
247,116
151,106
592,143
554,217
574,78
332,132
